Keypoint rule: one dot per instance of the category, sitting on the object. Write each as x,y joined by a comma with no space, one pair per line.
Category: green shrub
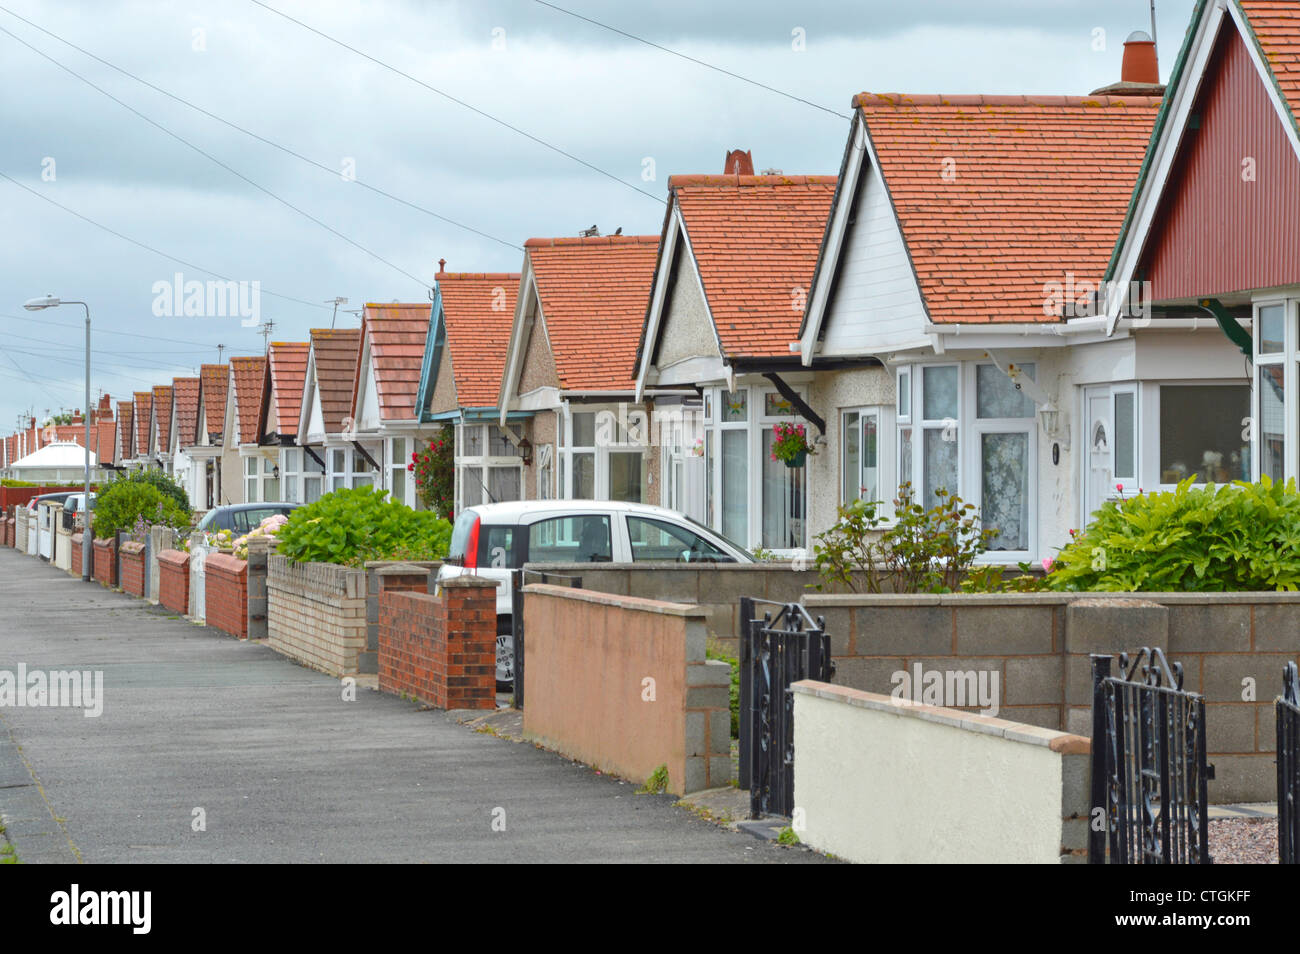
353,526
1195,538
165,485
714,653
124,504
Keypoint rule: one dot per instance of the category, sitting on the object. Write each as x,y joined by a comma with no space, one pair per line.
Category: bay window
291,473
602,453
313,476
488,466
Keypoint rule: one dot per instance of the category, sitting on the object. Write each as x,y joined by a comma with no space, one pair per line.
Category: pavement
213,750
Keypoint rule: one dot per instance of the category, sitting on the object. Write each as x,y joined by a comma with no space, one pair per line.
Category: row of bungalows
1038,303
50,454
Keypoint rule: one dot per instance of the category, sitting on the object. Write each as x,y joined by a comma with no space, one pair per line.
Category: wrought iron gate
1288,767
518,580
1148,764
775,651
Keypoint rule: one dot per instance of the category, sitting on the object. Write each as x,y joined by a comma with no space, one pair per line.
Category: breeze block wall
132,563
316,614
174,581
227,594
106,561
439,649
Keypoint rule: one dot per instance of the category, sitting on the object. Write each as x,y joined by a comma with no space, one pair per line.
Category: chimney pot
1140,65
442,264
739,162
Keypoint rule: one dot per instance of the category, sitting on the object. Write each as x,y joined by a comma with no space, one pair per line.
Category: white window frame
887,487
1149,415
600,449
291,473
483,461
976,428
1287,358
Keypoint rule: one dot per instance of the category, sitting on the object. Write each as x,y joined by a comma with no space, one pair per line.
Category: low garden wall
226,586
160,539
370,658
131,560
174,581
879,782
316,614
1232,647
78,539
62,552
105,551
623,684
441,649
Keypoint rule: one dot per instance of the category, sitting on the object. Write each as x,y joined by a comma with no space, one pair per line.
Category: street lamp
40,304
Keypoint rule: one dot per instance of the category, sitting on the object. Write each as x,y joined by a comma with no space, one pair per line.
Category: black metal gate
1288,767
518,580
775,651
1149,798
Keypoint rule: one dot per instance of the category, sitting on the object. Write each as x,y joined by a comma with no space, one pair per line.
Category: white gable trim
518,347
366,413
305,434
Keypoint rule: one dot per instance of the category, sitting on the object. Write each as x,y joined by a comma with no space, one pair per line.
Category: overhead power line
270,142
460,102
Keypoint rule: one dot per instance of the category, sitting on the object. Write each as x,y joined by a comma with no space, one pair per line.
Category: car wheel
505,654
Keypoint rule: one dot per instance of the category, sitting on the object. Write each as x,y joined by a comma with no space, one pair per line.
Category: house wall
444,391
538,370
830,393
688,330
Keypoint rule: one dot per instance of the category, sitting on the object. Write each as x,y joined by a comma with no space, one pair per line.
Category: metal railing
1149,774
775,651
1288,767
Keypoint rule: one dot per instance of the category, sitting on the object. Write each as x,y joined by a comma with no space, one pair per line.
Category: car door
655,539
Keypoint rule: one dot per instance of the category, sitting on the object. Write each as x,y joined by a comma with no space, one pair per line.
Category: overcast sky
637,113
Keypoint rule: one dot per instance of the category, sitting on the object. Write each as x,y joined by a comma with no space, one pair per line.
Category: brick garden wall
174,581
439,649
226,583
1230,646
316,614
132,563
105,561
77,562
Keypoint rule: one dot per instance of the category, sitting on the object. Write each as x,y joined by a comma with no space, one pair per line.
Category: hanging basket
798,459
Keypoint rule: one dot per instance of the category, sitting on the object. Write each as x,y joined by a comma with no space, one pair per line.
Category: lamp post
39,304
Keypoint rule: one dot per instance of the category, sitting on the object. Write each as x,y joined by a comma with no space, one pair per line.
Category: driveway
277,766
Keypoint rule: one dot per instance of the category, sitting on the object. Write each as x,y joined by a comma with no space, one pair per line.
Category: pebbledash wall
1232,648
316,614
981,779
623,684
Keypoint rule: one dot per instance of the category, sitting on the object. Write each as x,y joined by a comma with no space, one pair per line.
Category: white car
491,540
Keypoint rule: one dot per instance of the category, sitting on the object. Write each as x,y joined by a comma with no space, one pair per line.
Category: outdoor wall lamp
526,452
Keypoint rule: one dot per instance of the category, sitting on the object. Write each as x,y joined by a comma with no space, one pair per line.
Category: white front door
1100,461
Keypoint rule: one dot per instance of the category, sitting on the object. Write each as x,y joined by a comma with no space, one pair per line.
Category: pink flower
1047,564
1119,487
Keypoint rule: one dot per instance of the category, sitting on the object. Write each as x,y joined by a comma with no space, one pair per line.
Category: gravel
1243,841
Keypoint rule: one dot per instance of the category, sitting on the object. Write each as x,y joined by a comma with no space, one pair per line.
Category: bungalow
240,451
205,453
160,424
735,264
125,434
464,358
141,417
326,410
385,425
571,367
964,251
1213,234
180,433
286,369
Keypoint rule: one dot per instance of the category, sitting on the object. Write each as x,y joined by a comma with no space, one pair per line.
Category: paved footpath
283,769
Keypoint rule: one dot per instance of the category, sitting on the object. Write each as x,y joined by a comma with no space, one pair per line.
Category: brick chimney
1139,74
739,162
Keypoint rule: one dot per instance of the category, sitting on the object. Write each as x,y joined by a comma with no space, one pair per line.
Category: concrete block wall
174,581
945,786
226,597
1232,648
438,649
316,613
259,552
131,561
623,683
105,569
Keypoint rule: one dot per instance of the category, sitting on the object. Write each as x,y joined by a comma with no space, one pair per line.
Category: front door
1100,480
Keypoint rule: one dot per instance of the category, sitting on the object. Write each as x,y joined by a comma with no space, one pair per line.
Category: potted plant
791,445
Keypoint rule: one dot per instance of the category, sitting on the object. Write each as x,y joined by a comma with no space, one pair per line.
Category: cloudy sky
309,230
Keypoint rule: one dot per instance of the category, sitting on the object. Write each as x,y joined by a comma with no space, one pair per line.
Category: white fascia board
517,349
658,298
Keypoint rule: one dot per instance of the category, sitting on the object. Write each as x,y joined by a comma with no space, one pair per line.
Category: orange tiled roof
478,310
1277,27
249,375
288,370
755,240
162,409
335,352
594,293
214,382
998,196
397,335
185,395
126,447
143,406
102,436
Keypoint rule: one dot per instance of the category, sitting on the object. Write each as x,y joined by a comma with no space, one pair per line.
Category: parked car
240,518
73,504
59,497
491,540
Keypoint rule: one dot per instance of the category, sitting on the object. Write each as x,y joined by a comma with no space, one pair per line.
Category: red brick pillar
470,634
105,553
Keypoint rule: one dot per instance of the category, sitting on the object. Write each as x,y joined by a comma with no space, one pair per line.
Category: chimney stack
1139,74
738,162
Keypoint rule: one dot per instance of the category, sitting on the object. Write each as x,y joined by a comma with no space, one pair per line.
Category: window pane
939,447
291,488
656,541
360,465
496,544
584,476
940,393
852,463
472,443
783,500
250,490
735,406
471,483
1272,417
1004,460
398,490
1125,431
776,406
311,465
996,396
1272,329
504,482
735,484
250,466
581,539
1201,432
584,429
271,490
310,489
905,457
904,393
626,476
339,461
871,457
500,446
